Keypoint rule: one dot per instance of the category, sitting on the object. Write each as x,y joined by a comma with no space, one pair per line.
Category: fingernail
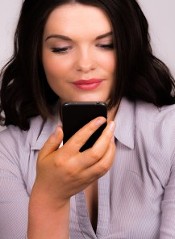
111,126
113,139
99,121
57,130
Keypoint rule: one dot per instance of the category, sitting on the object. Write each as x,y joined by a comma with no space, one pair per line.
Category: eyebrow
65,38
104,35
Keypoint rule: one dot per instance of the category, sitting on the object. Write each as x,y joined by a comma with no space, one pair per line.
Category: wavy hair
25,92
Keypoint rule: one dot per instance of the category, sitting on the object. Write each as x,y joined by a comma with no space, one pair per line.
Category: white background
160,15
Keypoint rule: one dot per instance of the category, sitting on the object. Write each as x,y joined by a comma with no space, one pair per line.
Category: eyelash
60,50
63,50
106,46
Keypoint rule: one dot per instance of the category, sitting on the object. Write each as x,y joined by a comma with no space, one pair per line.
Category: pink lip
89,84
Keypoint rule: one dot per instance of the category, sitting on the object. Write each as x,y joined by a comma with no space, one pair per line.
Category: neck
112,113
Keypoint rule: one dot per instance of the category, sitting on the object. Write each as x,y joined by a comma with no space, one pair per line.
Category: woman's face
77,53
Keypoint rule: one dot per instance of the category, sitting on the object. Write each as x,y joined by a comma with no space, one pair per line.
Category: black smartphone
76,114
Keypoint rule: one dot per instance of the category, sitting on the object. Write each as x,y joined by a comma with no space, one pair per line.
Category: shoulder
157,118
154,113
14,135
19,150
156,126
15,142
13,139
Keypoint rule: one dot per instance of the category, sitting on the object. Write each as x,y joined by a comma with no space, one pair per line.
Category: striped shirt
136,196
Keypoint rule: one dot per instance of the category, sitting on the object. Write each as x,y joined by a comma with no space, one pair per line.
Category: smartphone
76,114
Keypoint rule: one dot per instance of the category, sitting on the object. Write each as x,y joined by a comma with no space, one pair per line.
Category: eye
106,46
61,50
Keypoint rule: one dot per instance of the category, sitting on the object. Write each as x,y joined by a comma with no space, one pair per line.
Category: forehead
75,17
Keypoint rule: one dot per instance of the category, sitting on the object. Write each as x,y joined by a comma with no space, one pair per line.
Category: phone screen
76,114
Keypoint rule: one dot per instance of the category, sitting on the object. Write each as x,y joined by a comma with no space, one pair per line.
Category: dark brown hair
140,75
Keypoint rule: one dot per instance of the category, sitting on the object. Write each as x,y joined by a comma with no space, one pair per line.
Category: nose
85,61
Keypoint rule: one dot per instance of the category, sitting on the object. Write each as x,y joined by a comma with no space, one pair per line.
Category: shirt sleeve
167,229
14,198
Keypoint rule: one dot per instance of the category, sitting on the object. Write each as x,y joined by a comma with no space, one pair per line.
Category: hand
63,172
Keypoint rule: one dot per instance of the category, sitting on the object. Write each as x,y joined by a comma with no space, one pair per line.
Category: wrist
42,197
48,218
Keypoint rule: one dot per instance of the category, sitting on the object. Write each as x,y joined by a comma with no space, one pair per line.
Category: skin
63,172
85,54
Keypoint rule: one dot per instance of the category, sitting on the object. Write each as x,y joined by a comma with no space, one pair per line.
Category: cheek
53,66
109,63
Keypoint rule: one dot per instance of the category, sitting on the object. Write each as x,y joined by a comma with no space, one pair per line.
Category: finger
101,146
82,135
52,143
102,166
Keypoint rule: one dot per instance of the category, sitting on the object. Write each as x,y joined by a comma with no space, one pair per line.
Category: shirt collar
45,131
125,123
124,131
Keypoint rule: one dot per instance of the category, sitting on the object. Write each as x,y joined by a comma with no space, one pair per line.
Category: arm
167,229
13,195
47,218
63,172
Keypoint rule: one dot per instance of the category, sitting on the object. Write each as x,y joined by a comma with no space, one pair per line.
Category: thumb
52,143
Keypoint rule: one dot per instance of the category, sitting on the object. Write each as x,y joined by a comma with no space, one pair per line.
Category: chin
86,98
92,98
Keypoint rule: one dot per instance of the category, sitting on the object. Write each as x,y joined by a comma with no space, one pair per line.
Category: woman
122,187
